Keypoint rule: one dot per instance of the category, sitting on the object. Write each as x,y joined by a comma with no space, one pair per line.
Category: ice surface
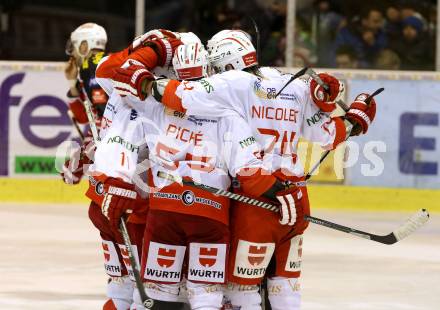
51,260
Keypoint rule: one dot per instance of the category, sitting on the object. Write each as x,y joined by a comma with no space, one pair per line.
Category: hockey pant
120,287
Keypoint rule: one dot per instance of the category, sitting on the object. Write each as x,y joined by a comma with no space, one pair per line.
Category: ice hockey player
115,161
183,219
86,48
301,110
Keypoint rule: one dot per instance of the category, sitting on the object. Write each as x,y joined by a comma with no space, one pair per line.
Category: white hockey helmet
231,47
190,60
93,34
167,72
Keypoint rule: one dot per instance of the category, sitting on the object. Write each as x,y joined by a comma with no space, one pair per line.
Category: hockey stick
147,302
403,231
90,116
294,77
320,82
416,221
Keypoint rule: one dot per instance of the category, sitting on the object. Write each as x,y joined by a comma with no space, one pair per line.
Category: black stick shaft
137,276
293,78
387,239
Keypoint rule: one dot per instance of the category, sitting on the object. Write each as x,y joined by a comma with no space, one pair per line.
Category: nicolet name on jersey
279,114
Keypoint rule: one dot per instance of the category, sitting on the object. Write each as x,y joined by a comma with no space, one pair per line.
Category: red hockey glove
291,205
120,197
164,49
322,98
72,171
150,35
78,110
129,80
75,167
361,114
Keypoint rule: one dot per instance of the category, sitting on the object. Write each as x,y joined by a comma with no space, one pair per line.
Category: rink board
401,148
321,196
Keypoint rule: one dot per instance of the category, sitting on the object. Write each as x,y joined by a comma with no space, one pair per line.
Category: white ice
51,260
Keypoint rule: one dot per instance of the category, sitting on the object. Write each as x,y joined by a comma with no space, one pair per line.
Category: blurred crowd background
373,34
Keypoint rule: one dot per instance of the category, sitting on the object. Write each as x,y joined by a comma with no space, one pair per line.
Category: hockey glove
130,80
72,171
325,100
77,165
361,114
291,205
164,49
120,198
79,112
140,41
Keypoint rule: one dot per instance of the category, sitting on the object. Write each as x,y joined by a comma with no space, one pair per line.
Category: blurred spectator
272,54
393,24
432,21
324,28
414,49
366,35
409,8
387,60
304,48
346,57
325,23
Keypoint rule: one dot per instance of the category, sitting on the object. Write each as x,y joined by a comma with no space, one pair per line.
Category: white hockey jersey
207,150
276,122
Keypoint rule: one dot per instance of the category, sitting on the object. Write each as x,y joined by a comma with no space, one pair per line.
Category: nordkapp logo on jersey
164,262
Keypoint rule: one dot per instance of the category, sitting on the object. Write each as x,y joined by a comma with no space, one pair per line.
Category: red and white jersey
276,122
122,143
207,150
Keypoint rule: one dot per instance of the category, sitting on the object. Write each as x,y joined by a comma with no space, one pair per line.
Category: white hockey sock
284,293
203,296
120,290
244,297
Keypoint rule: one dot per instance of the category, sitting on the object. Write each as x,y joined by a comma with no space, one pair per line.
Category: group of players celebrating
165,105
